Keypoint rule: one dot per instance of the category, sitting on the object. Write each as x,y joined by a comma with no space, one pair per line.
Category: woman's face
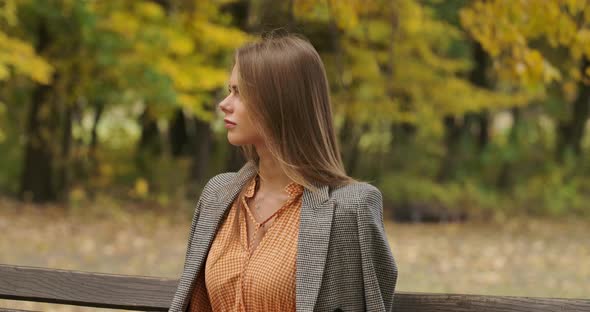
240,130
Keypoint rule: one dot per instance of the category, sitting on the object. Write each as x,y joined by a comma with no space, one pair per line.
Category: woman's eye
229,91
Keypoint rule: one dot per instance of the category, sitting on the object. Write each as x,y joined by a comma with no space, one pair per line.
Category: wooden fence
155,294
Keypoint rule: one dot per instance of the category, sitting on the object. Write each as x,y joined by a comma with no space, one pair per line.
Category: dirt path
537,258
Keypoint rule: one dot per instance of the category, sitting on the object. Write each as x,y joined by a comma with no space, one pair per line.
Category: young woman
290,231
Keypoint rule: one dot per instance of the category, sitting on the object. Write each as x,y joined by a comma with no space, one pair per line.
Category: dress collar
293,189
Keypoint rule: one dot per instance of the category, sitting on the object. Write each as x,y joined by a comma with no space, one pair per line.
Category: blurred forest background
457,110
454,109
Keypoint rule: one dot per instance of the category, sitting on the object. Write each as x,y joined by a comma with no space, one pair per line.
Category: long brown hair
283,85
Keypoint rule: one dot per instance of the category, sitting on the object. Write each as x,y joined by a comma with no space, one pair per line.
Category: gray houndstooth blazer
344,262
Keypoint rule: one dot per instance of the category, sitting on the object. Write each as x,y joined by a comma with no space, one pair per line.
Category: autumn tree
543,47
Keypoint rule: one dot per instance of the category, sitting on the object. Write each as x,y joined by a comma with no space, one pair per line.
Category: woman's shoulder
357,195
361,201
219,181
355,191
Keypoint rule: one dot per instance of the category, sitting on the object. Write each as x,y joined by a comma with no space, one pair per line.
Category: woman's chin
236,141
240,138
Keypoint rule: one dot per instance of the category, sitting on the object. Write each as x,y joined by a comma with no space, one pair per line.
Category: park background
471,117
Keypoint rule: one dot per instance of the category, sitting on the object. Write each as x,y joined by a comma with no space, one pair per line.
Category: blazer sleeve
378,265
176,304
207,189
193,228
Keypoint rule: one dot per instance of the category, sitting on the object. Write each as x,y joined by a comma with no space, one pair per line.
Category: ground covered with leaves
516,257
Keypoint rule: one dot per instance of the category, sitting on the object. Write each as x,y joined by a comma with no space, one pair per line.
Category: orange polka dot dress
240,275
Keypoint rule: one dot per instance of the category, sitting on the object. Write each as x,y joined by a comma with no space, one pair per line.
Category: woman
290,231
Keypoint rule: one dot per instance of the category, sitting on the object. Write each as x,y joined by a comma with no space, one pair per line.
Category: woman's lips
229,124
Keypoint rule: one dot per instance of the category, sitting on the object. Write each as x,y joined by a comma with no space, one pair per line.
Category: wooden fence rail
155,294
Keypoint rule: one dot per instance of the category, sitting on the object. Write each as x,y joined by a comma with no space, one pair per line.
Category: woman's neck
272,177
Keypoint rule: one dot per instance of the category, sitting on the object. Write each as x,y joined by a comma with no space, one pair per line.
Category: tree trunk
349,144
235,160
239,11
203,140
475,125
475,129
571,132
64,162
37,174
452,141
150,133
149,143
99,108
481,119
505,177
177,134
267,15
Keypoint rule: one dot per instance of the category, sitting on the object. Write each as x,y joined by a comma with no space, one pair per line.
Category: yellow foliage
214,36
505,29
149,10
395,65
582,45
179,46
19,54
575,6
192,104
2,110
8,12
122,23
77,194
569,90
23,59
141,188
345,13
3,73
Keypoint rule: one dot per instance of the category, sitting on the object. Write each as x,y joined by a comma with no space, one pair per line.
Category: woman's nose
225,106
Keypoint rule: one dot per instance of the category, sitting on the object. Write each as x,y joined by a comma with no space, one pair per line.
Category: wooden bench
155,294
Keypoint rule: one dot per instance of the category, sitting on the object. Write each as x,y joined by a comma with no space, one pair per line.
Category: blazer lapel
315,223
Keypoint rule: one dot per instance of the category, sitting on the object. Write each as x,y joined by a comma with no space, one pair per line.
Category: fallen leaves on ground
519,257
